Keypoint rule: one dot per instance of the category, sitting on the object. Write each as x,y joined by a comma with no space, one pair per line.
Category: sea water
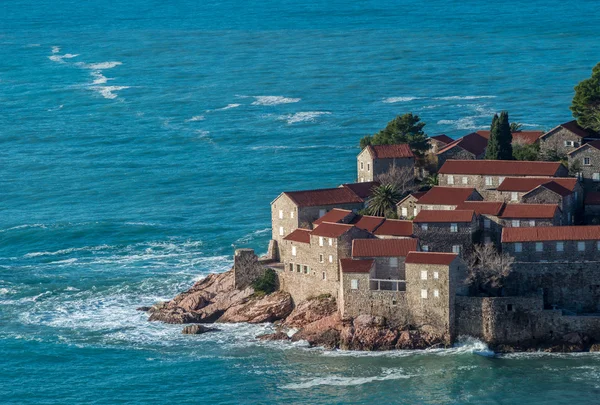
142,141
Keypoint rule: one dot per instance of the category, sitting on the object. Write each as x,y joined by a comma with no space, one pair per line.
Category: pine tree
586,102
491,152
505,151
406,128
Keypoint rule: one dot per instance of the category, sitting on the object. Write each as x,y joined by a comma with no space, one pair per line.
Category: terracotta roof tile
555,187
574,127
523,137
446,195
593,144
368,223
550,233
391,151
430,258
533,211
356,266
330,230
326,196
592,198
524,184
444,216
382,247
416,196
473,143
500,168
443,138
395,227
363,190
482,207
335,215
299,235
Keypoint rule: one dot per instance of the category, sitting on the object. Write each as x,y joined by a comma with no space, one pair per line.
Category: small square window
404,211
424,294
320,241
424,227
423,274
393,262
596,176
293,250
456,249
320,258
292,214
330,258
532,223
306,271
489,181
560,246
354,284
281,231
322,212
518,247
450,179
298,268
436,293
291,266
425,248
330,242
586,161
509,307
487,224
581,246
515,223
514,196
362,165
453,227
465,180
280,214
539,246
436,275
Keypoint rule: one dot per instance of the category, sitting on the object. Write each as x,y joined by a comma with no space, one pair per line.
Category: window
293,250
456,249
436,275
560,246
424,227
539,246
404,212
509,307
362,165
298,268
306,270
436,293
500,180
330,242
586,161
488,181
292,214
596,176
487,223
532,223
514,196
321,258
465,180
353,284
598,245
330,258
569,143
414,212
424,294
320,241
450,179
393,262
368,167
423,274
518,247
291,266
581,246
324,276
515,223
281,231
322,212
453,228
280,214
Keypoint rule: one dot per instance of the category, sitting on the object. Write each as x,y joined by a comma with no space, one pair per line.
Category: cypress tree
505,151
491,152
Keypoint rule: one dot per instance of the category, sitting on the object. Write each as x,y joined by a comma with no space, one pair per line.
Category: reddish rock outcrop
310,311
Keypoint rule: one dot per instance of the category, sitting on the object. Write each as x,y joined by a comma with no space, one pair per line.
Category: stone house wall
549,251
246,268
438,237
368,168
410,204
555,141
456,153
531,222
592,214
492,232
570,205
587,172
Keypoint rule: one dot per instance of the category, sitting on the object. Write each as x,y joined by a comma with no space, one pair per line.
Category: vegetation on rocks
265,284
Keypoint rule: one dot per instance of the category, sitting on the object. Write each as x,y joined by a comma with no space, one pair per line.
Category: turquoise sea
140,141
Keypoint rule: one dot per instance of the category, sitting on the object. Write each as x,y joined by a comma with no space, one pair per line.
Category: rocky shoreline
316,320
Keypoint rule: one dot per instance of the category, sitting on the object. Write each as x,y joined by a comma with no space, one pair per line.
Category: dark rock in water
143,309
274,336
197,330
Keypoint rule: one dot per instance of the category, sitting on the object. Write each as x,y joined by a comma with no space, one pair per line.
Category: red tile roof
532,211
550,233
500,167
524,184
368,223
593,144
446,195
391,151
335,215
523,137
417,195
473,143
443,138
482,207
555,187
383,247
363,190
356,266
395,227
299,235
325,196
592,198
444,216
430,258
574,127
331,230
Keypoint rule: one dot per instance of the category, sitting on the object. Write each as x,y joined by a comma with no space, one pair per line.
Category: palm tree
431,180
515,127
383,201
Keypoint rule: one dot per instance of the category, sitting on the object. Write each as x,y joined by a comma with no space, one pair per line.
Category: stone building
563,139
394,229
487,175
530,215
469,147
375,160
592,207
310,258
438,142
552,244
519,137
586,161
388,255
407,207
446,198
446,231
488,219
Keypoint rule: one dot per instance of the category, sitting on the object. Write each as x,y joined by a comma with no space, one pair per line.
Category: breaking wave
392,100
195,118
341,381
273,100
462,97
307,116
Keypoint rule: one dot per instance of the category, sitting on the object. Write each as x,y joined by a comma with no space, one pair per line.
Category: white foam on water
60,58
274,100
100,65
230,106
461,123
342,381
33,45
55,49
285,147
70,250
462,97
429,107
305,116
99,78
251,236
196,118
392,100
108,92
66,261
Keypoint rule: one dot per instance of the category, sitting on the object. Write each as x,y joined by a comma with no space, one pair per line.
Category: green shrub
265,284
